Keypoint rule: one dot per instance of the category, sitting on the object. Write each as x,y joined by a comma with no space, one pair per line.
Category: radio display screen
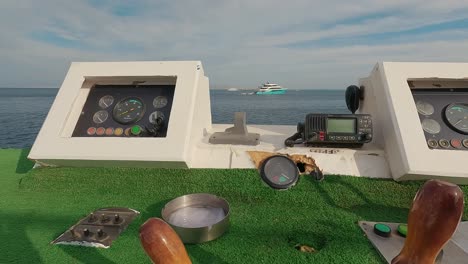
341,125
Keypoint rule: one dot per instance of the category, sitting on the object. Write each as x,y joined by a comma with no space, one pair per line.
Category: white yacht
271,88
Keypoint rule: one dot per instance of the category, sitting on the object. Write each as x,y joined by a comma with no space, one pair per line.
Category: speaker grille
317,123
314,123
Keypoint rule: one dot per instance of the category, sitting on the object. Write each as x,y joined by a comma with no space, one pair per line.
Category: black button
432,143
444,143
345,138
313,136
331,137
339,138
465,143
352,138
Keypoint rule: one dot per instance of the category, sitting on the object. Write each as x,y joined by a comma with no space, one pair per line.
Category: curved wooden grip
162,244
435,213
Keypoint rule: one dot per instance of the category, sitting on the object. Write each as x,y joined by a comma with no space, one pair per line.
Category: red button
109,131
322,136
100,131
91,131
456,143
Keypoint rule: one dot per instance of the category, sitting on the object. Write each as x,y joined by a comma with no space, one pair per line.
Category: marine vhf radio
335,130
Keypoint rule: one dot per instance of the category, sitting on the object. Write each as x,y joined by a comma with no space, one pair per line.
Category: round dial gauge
456,116
100,116
106,101
155,115
279,172
424,108
430,126
160,102
128,111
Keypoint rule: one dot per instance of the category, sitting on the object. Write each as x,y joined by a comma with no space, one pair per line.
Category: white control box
398,125
190,117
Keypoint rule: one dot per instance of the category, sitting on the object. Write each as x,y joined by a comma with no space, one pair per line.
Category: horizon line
240,89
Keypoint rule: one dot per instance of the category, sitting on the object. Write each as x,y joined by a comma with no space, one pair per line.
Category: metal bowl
199,233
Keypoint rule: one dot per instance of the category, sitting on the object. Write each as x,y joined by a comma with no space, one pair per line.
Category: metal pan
197,218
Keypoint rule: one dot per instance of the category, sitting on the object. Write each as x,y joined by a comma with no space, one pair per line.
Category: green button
136,130
403,229
382,230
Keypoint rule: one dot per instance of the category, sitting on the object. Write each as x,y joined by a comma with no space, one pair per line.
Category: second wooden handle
435,213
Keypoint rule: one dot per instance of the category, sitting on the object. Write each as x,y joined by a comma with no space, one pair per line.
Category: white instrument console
127,114
420,113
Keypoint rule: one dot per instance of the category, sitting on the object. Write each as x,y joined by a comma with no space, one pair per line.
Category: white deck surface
368,161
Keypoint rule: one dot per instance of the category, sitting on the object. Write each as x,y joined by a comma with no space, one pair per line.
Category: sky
303,44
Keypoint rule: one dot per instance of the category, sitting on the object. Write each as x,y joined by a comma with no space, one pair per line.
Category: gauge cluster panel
444,117
126,111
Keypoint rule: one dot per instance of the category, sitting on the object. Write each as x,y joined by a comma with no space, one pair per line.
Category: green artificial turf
38,205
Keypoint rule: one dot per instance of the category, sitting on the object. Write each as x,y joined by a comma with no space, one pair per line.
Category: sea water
23,110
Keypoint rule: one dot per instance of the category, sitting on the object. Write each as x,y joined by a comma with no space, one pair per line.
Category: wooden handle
435,213
162,244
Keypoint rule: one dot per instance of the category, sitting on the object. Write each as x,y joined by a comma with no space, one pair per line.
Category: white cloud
239,42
